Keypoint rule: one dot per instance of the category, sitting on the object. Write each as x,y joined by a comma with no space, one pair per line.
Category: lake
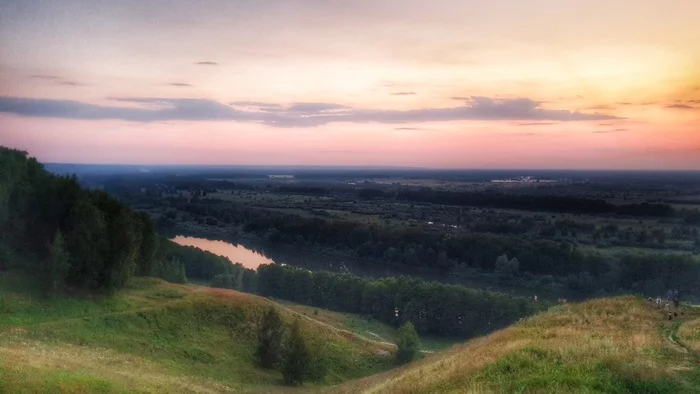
236,253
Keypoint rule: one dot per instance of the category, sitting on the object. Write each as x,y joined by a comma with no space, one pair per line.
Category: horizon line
378,167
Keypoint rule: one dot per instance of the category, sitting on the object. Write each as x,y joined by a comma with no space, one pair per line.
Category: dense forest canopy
66,235
581,272
434,308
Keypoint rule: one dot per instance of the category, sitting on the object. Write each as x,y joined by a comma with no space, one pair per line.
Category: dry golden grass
689,334
621,331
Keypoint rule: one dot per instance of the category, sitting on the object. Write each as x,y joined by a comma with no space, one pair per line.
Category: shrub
407,342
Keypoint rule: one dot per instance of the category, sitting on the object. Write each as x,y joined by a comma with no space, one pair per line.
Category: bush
408,343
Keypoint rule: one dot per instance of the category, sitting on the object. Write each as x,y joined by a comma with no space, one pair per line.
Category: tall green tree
148,247
297,358
181,276
57,265
123,248
87,241
270,336
408,343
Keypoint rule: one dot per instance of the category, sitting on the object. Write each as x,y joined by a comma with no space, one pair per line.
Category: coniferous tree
57,265
297,358
181,276
270,335
407,342
148,247
86,241
123,249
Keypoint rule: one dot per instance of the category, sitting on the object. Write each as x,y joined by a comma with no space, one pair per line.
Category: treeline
434,308
239,278
408,246
566,204
200,264
534,203
67,235
577,271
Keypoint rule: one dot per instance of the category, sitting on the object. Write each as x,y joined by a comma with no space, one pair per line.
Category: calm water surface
236,253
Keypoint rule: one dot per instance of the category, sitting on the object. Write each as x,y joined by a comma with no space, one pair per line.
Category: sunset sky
444,83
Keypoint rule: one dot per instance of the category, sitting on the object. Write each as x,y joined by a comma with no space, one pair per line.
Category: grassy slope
619,345
160,337
368,328
688,335
153,337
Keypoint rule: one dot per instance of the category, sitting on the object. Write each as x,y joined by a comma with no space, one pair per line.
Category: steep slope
618,345
155,337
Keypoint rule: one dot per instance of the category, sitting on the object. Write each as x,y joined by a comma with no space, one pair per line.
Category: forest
578,271
433,308
71,237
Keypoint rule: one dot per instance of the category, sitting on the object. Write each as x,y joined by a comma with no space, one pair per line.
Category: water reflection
236,253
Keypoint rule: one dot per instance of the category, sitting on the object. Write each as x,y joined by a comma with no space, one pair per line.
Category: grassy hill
154,336
365,326
620,345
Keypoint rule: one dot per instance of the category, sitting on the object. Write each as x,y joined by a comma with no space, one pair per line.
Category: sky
563,84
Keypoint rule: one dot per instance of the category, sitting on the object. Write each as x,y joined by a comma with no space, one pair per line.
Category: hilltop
619,345
155,336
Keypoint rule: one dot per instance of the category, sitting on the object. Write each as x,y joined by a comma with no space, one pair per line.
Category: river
236,253
253,257
266,254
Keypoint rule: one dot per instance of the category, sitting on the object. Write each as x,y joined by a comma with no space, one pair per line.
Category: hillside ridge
620,345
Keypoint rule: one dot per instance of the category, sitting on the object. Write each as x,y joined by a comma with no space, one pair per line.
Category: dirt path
344,331
678,345
332,327
675,344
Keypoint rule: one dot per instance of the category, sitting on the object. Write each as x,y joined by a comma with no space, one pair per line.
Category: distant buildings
523,179
281,176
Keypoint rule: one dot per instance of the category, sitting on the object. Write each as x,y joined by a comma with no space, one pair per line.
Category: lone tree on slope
407,342
297,359
270,333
